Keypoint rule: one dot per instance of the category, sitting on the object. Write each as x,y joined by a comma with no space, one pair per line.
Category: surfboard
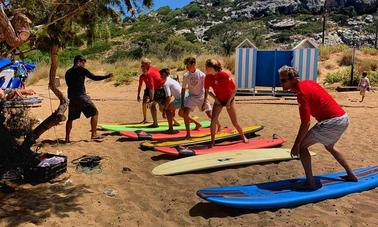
226,135
120,128
158,136
280,194
185,151
222,159
144,125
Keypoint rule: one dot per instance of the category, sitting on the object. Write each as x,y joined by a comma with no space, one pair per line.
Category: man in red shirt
332,122
154,92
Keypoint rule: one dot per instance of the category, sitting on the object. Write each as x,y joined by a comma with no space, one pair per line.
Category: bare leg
94,121
68,130
170,117
341,160
215,115
305,157
144,110
154,114
232,113
219,127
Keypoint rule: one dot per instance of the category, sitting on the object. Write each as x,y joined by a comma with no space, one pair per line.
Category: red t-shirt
152,80
314,100
222,84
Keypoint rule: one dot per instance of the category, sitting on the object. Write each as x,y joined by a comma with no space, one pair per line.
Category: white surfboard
222,159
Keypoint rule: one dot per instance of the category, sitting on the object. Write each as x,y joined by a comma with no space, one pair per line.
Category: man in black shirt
79,100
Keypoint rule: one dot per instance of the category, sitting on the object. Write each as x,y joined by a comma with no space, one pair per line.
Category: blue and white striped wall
245,68
305,60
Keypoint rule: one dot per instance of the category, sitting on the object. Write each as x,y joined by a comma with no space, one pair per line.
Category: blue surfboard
279,194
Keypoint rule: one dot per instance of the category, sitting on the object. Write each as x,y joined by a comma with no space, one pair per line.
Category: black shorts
81,104
224,103
159,95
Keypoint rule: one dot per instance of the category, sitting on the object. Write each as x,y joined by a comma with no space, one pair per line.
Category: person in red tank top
313,100
153,92
224,93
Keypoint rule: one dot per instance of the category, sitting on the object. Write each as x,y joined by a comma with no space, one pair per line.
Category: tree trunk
14,37
56,117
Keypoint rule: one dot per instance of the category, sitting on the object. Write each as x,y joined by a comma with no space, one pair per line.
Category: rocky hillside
349,20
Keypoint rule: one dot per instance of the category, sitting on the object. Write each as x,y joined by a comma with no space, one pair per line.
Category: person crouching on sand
173,100
193,82
224,94
332,122
153,93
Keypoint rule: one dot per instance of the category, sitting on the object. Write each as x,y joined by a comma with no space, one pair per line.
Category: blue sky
171,3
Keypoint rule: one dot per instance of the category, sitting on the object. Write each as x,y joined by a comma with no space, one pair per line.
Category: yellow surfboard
231,134
222,159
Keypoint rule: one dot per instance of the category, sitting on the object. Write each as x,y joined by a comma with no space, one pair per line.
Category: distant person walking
364,85
79,100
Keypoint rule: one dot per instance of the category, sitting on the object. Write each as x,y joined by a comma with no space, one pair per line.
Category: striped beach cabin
255,67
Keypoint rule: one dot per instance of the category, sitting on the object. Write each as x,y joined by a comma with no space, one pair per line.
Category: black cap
79,58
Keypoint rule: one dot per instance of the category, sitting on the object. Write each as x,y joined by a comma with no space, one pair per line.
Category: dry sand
146,200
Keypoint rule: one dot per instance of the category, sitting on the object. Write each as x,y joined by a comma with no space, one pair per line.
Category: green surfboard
120,128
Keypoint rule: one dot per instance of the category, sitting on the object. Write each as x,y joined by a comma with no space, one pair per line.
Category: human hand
138,98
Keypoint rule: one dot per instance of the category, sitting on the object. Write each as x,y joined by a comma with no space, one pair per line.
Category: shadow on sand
211,210
35,204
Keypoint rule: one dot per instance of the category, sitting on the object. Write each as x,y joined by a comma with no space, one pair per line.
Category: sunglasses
284,80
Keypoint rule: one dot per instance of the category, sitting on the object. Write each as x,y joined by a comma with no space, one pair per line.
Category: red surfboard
226,146
157,136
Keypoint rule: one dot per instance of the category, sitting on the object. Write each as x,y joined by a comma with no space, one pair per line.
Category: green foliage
115,30
97,48
194,10
308,28
176,46
163,11
37,57
67,55
124,78
337,77
373,77
283,37
117,56
343,77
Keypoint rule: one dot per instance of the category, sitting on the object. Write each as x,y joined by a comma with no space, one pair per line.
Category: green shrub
117,56
124,78
337,77
37,57
98,47
373,77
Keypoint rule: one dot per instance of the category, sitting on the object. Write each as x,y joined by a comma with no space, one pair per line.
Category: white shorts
328,132
192,103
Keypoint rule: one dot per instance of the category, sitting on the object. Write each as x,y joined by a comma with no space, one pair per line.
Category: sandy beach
145,200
